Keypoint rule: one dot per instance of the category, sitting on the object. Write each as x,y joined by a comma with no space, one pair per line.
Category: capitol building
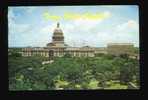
58,48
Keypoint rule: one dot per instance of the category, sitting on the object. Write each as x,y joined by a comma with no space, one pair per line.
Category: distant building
58,48
120,48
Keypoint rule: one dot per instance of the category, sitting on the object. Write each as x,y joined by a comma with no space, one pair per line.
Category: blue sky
28,26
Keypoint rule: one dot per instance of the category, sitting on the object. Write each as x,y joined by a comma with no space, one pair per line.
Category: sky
94,26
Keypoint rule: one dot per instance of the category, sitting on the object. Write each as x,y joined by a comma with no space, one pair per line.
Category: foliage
102,72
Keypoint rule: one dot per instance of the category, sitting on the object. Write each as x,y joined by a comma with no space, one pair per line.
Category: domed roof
57,29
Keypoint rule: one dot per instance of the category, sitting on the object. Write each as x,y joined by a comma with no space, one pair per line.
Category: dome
58,30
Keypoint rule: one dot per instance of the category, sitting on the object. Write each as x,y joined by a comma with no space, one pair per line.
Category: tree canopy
102,72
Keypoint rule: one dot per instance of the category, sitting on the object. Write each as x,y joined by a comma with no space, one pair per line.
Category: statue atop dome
58,25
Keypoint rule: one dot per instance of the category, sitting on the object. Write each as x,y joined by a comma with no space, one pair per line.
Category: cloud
126,32
86,23
31,26
30,9
131,26
48,28
15,27
17,32
19,28
81,30
81,26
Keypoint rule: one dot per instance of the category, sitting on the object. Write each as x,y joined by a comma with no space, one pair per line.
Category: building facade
120,48
58,48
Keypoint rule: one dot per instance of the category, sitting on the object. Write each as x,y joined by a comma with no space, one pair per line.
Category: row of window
79,54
